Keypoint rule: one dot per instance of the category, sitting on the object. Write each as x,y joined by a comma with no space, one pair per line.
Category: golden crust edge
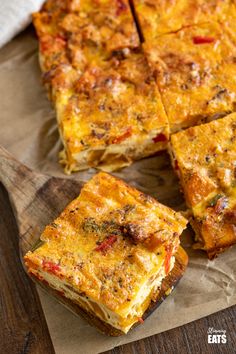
168,284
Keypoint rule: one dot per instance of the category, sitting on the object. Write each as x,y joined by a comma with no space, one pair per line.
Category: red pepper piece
44,45
51,43
106,244
167,259
140,320
121,6
124,136
203,40
51,267
159,137
60,39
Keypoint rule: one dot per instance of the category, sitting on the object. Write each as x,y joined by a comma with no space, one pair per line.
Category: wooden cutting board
23,329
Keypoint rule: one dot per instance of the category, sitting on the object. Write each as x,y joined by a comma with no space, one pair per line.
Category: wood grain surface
188,339
23,329
36,198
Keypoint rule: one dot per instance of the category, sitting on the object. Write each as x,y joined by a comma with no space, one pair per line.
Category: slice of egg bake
161,17
205,160
110,252
195,70
108,107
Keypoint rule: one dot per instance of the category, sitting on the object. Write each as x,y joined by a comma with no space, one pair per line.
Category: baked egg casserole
195,71
108,106
109,252
204,157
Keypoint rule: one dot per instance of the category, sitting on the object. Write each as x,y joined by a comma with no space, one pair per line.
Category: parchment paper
28,130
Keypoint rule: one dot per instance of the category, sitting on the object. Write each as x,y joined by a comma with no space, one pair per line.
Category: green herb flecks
214,200
106,227
90,225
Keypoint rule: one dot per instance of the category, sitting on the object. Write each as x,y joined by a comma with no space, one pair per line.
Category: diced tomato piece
203,40
140,320
159,137
106,244
124,136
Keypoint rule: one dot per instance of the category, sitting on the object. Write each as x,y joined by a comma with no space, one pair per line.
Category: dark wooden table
23,329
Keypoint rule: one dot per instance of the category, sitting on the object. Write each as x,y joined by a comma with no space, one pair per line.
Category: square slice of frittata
205,160
111,117
156,18
108,106
195,71
82,32
109,251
